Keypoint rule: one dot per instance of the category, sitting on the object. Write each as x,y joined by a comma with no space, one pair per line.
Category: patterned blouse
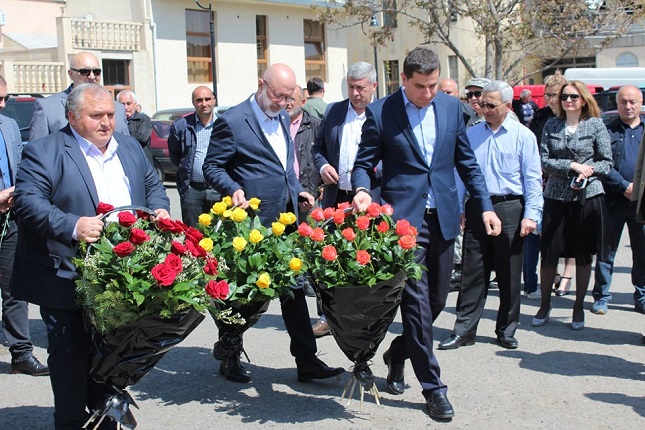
590,145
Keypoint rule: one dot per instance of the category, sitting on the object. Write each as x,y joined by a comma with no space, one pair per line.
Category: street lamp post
212,28
374,23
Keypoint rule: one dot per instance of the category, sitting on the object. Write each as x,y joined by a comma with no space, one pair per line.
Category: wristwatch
362,189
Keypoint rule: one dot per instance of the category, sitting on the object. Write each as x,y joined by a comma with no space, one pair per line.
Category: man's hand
527,226
361,201
492,223
628,191
329,175
308,203
239,199
162,214
6,199
89,228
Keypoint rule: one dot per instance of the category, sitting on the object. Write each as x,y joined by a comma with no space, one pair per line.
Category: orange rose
363,223
407,242
383,226
305,229
374,210
317,214
328,212
318,235
363,257
402,227
329,253
349,234
387,209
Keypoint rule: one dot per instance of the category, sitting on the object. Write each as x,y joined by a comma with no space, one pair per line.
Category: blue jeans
531,257
196,202
621,212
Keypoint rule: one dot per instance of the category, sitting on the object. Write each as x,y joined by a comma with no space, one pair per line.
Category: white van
608,77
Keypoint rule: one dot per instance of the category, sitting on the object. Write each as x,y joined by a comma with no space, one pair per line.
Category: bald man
251,154
49,113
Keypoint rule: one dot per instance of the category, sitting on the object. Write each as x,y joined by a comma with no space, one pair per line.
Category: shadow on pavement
26,417
636,403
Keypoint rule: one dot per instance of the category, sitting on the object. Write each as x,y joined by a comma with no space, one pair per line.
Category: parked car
607,99
159,148
609,116
20,107
175,114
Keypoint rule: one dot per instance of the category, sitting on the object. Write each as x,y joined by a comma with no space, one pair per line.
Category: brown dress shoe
321,328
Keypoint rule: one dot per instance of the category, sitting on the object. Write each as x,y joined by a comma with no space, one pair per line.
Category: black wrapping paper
231,334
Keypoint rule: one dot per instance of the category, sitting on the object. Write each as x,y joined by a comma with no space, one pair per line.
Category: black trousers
481,255
421,304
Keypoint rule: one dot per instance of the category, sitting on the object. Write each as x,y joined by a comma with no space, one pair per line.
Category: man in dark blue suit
61,180
251,154
420,137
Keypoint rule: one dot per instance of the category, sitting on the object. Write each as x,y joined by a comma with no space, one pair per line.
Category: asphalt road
557,379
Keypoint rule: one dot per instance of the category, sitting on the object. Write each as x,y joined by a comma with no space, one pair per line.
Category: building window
392,76
198,46
116,75
627,59
261,43
453,67
314,34
389,13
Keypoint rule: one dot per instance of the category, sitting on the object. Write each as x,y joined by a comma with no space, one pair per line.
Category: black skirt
572,230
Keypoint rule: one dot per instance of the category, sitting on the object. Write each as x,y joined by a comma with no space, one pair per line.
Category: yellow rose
263,280
227,213
255,236
228,201
218,208
287,218
295,264
278,228
206,244
238,215
239,243
254,203
204,219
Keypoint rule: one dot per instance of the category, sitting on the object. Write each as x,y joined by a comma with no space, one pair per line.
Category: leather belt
506,198
199,186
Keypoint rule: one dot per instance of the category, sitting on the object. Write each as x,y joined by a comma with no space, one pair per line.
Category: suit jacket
49,116
638,190
54,188
11,134
240,156
388,137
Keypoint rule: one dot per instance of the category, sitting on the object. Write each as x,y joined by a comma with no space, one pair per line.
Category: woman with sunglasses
575,151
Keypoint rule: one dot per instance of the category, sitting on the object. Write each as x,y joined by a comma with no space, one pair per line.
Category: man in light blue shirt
508,157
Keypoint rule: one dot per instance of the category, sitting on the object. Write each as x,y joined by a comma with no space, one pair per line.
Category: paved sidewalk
557,379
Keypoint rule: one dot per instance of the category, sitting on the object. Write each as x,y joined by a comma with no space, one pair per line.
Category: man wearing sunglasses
49,113
474,89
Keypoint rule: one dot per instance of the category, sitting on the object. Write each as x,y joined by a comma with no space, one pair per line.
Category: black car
20,107
159,148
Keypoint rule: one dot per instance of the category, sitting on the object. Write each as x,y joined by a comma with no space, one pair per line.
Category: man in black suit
61,180
420,137
251,154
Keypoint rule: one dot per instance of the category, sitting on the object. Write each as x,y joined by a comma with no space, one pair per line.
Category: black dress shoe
314,368
508,342
455,341
395,377
439,407
232,369
30,366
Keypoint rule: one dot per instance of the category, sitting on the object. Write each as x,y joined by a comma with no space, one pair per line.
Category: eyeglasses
276,97
488,105
5,98
565,97
476,94
86,72
203,99
550,96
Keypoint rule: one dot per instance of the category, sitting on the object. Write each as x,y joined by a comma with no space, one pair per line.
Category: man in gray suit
15,313
49,113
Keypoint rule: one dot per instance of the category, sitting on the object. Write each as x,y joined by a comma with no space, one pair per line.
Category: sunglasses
472,94
86,72
488,105
5,98
565,97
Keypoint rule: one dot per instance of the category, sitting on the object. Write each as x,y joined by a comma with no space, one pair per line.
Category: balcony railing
34,77
108,35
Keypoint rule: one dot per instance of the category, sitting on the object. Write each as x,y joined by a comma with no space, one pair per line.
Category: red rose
344,205
387,209
363,223
124,249
104,208
142,214
170,225
126,219
318,234
329,253
177,248
363,257
383,227
339,216
374,210
138,236
407,242
193,234
211,266
217,289
402,227
195,249
317,214
349,234
328,212
164,274
305,229
174,262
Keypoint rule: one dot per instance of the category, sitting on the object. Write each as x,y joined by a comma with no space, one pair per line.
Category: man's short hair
315,85
504,89
125,93
361,70
421,60
525,93
75,98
